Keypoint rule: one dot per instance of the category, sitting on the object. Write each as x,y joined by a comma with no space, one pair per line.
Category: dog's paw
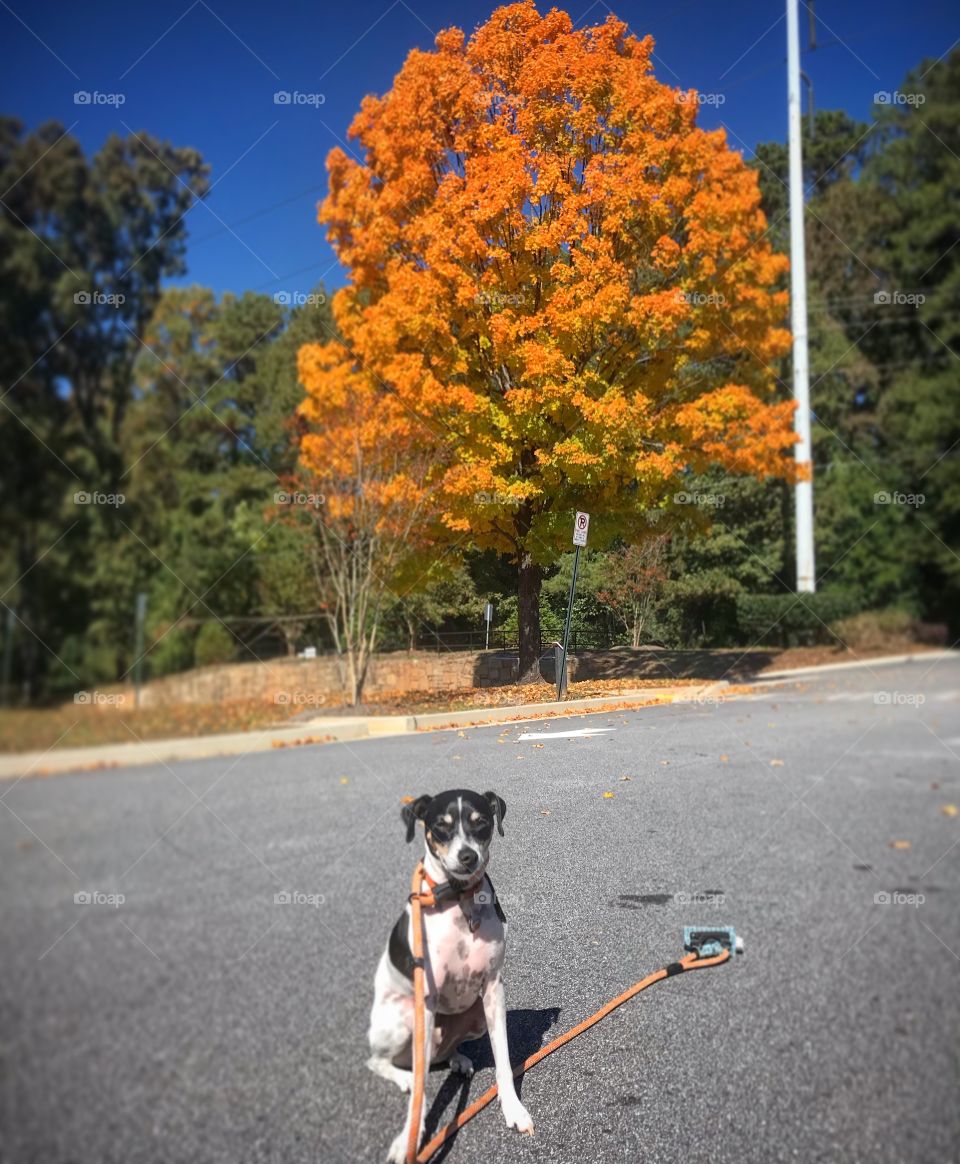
398,1150
403,1079
460,1064
517,1116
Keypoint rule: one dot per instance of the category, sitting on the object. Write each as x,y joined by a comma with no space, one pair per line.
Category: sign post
581,525
141,615
488,616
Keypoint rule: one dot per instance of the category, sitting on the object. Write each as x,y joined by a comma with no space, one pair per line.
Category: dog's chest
465,950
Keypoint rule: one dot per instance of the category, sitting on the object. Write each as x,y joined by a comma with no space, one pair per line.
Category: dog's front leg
495,1012
398,1149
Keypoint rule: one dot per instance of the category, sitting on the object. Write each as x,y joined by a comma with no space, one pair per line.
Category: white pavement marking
564,735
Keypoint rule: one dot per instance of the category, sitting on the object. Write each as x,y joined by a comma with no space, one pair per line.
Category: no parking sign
580,526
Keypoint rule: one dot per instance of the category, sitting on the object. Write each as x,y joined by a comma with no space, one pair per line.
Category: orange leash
417,901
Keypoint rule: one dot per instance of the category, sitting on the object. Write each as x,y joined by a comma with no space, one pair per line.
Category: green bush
792,620
214,645
169,651
698,610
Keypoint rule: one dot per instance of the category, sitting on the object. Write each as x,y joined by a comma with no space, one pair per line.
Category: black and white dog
464,943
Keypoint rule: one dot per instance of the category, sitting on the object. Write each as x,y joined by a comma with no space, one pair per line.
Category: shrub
792,620
874,629
699,610
214,645
170,651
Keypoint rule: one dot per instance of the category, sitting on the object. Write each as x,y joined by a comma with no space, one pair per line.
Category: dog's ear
498,807
411,813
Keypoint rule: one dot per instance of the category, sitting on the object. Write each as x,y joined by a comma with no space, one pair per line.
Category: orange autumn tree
364,486
552,266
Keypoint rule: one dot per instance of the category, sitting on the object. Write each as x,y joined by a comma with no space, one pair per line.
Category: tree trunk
528,594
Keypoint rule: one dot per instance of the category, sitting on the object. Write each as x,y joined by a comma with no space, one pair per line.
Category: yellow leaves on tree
560,276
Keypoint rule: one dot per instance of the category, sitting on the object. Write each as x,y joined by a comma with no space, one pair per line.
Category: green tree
84,246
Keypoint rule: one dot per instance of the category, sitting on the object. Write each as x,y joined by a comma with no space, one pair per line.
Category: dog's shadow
525,1035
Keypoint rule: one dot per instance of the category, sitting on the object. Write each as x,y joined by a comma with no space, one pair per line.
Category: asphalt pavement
188,950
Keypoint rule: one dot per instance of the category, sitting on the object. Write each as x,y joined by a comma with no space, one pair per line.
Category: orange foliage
558,282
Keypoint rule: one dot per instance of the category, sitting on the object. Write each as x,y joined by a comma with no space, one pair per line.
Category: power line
256,214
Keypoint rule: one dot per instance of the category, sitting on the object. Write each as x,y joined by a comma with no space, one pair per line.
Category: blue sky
203,73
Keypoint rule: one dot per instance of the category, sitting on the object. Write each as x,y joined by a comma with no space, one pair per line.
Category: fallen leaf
538,745
544,811
949,809
406,800
344,780
626,777
776,763
608,796
899,844
724,758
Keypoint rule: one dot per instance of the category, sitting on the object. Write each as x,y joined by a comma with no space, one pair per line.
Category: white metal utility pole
806,577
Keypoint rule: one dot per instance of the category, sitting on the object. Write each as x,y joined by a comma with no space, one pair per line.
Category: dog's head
458,828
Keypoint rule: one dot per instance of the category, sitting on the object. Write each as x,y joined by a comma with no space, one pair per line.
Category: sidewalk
324,730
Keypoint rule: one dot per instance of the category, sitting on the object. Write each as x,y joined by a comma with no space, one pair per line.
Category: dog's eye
440,833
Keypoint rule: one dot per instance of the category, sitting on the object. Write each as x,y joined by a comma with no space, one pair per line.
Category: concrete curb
321,730
521,713
882,661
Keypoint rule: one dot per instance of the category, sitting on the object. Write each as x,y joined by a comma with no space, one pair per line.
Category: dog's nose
468,859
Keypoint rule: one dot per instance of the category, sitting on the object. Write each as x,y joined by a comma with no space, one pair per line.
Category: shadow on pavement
640,663
526,1030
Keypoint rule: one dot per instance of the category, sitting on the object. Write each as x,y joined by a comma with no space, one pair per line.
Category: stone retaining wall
312,681
317,681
